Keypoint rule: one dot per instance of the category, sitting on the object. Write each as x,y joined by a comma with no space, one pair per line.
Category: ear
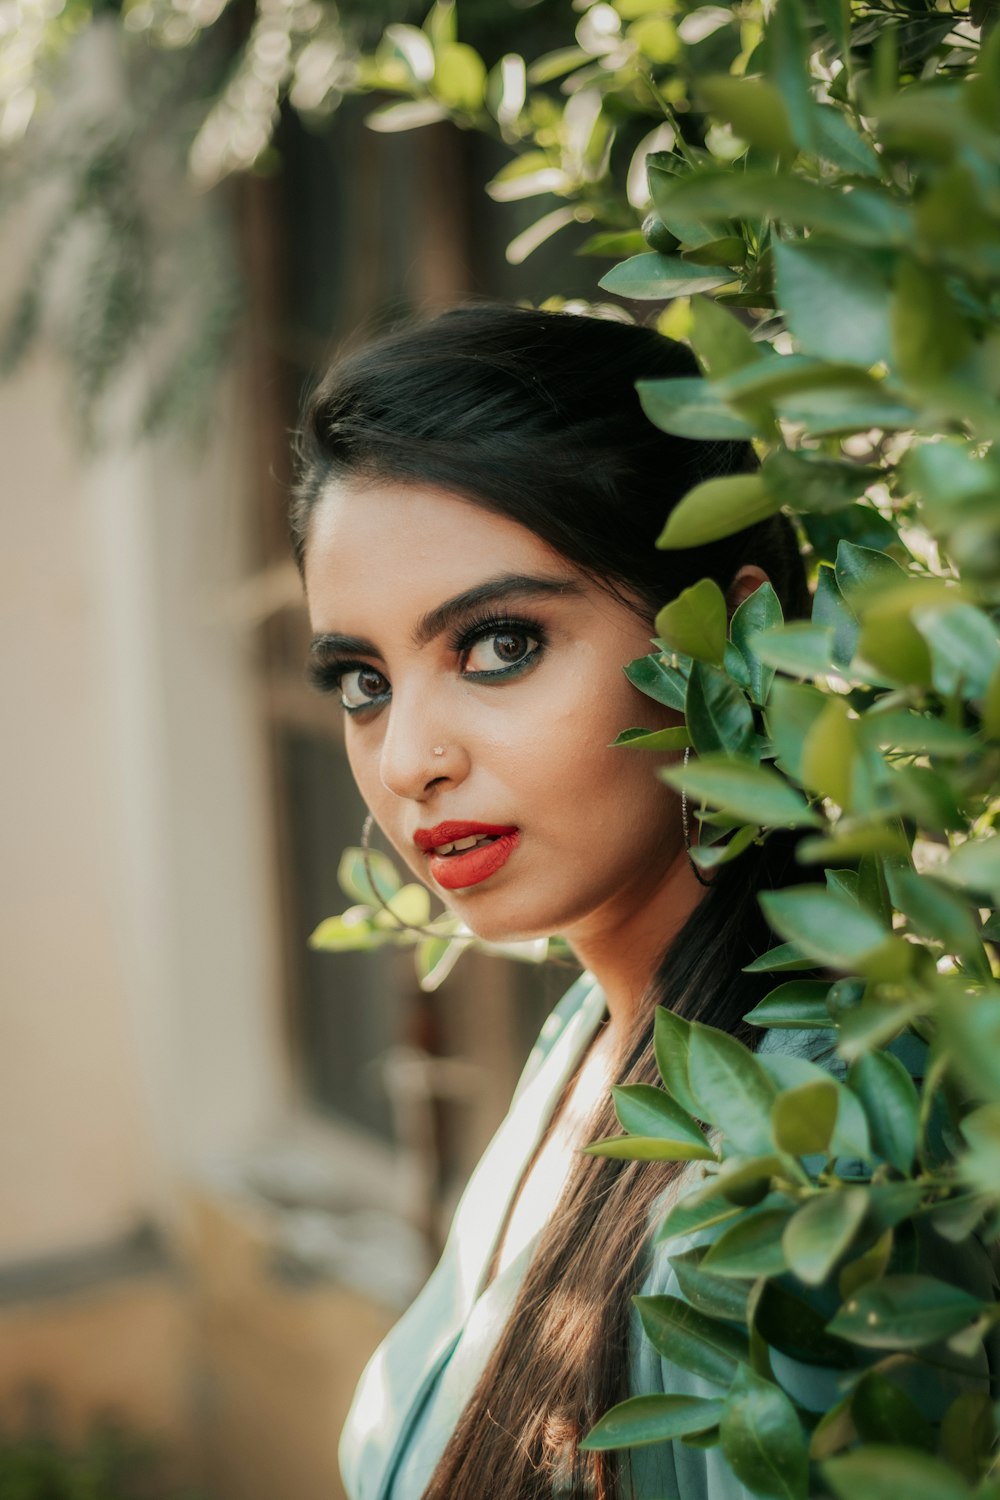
747,580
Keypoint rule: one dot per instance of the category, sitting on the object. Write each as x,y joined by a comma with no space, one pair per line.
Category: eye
501,649
361,686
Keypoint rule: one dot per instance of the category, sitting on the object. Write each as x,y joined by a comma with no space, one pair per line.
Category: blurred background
226,1160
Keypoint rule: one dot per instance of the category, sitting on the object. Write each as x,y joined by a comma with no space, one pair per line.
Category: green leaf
803,1118
889,1473
759,612
688,1338
676,738
885,1414
971,1027
719,718
863,216
917,732
807,481
862,572
964,647
792,709
779,960
719,339
786,52
344,935
762,1437
716,1296
835,299
753,794
905,1312
735,1092
649,1148
891,1104
799,648
410,906
830,610
798,1004
830,752
751,1247
689,1217
936,912
695,622
822,1231
787,1319
652,1419
654,277
717,508
835,931
645,1110
753,108
672,1043
657,679
688,407
929,335
459,76
975,866
839,143
355,876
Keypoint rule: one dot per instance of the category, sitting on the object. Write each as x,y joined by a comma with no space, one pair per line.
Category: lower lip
455,871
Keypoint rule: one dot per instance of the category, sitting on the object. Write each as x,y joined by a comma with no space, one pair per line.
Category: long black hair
534,415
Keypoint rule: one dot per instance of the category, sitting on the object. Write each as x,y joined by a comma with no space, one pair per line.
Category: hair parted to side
534,415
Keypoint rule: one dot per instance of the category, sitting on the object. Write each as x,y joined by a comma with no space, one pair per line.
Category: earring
686,827
438,750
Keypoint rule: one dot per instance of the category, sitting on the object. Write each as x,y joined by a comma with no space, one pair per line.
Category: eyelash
327,677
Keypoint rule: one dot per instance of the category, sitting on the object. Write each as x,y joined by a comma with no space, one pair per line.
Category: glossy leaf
759,612
799,1004
891,1103
716,1296
889,1473
717,508
905,1312
835,931
762,1437
645,1110
672,1042
719,718
688,407
753,794
751,1248
652,1419
695,622
655,677
678,737
735,1091
655,277
836,300
697,1343
822,1232
720,341
803,1118
649,1148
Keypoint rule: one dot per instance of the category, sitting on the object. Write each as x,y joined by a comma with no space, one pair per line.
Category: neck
623,948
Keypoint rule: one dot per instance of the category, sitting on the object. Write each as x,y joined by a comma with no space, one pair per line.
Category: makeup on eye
490,647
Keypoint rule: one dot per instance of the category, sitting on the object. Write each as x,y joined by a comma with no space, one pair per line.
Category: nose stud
438,750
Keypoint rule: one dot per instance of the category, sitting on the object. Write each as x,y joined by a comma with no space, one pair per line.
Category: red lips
454,872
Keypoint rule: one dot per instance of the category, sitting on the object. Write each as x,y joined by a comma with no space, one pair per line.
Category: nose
420,752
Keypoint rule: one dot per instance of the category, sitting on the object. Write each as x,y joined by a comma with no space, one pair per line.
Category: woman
475,525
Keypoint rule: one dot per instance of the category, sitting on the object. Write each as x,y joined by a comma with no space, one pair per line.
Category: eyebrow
452,611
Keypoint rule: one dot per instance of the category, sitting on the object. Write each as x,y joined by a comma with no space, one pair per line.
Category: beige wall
139,1000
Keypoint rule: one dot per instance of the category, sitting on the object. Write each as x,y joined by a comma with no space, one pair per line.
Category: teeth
462,844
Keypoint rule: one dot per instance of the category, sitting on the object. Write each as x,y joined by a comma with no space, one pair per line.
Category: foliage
111,1462
823,225
810,194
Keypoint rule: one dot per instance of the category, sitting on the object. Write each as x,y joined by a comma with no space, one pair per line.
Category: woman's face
481,675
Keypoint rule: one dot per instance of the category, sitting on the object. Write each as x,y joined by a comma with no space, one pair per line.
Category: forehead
392,539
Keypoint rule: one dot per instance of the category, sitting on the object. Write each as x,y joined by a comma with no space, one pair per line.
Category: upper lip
447,833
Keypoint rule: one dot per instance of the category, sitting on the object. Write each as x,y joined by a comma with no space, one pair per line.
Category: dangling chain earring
686,826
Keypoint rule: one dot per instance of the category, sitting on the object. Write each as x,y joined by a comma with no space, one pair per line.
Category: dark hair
534,415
